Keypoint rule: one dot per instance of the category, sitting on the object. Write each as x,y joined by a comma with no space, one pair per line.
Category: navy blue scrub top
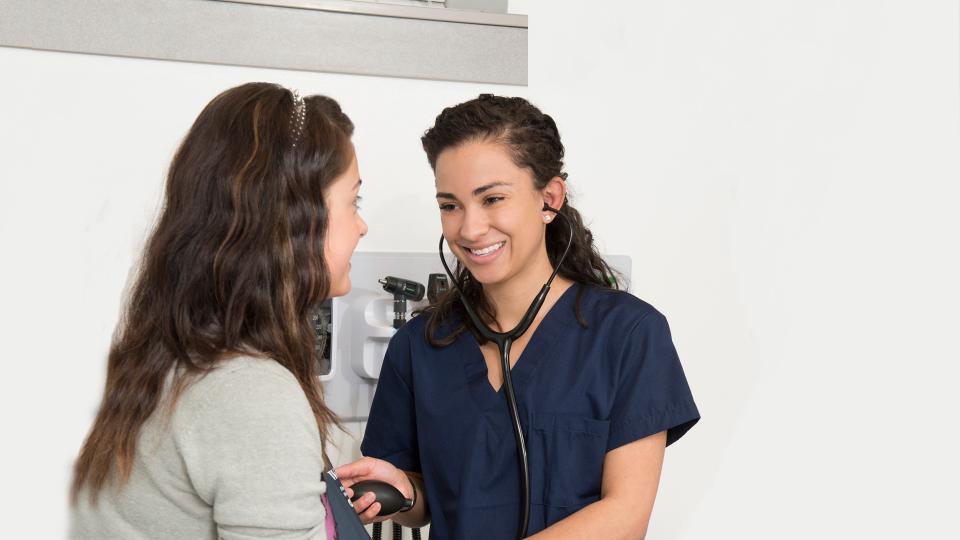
581,392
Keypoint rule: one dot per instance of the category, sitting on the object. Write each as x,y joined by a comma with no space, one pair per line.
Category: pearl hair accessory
299,116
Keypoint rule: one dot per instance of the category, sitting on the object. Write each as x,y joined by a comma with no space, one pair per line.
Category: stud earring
547,218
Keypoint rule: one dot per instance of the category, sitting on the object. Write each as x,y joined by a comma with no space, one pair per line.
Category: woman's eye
447,207
493,199
356,202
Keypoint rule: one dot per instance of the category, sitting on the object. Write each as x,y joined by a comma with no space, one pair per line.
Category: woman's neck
512,298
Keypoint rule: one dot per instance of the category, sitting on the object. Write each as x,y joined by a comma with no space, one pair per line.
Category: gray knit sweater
239,458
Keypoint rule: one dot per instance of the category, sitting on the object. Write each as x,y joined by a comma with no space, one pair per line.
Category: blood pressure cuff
344,516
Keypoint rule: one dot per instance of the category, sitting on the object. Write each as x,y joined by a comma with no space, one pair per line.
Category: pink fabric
331,526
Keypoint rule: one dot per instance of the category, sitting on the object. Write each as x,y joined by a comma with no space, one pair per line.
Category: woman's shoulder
603,305
239,386
252,364
414,332
612,306
245,371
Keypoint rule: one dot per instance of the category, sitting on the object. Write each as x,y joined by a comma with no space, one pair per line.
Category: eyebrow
479,191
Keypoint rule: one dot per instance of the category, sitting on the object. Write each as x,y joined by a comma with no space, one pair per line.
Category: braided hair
533,142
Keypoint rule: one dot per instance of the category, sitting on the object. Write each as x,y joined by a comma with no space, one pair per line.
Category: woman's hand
368,468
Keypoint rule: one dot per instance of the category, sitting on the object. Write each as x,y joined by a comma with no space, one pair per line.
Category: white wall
783,174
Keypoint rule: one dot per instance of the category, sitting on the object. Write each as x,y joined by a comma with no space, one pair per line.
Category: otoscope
504,341
401,289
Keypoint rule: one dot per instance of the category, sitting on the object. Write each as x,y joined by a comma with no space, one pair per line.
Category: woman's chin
341,289
487,276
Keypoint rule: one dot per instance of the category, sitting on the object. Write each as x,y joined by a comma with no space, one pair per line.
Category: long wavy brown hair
234,266
533,141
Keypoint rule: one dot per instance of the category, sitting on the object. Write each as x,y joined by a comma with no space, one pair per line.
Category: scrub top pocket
573,449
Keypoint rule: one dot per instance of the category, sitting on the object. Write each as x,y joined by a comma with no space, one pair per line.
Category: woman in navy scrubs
599,387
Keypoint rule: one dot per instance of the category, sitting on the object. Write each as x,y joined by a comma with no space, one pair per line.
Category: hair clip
299,116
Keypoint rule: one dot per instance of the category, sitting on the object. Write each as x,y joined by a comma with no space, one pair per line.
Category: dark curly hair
533,141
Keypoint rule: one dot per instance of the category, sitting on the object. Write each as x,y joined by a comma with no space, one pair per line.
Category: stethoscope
504,341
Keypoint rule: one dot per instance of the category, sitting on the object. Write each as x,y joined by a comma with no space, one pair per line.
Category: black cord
504,340
518,435
377,531
397,532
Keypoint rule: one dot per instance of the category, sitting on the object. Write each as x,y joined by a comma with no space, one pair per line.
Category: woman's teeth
487,250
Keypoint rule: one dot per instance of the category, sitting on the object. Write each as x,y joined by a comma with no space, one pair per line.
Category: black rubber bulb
390,499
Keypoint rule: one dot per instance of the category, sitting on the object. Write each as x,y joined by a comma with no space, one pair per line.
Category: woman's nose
363,227
474,225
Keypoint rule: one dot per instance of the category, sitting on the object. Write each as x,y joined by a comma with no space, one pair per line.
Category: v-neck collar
543,339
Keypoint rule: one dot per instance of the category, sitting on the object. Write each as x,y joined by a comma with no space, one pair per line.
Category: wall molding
247,33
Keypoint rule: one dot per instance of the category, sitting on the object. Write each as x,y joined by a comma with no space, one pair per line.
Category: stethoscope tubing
504,341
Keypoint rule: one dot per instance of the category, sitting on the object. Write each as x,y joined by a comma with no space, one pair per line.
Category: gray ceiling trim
244,34
448,14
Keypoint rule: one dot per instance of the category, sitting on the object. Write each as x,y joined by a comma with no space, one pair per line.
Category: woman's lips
486,254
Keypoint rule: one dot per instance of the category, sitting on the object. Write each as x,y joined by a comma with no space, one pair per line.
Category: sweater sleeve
252,451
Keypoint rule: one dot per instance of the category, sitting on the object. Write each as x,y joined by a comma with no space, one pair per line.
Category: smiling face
345,227
492,212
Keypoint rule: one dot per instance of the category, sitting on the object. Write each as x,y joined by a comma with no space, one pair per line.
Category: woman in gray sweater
212,422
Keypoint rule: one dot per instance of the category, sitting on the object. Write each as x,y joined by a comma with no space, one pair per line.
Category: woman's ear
554,193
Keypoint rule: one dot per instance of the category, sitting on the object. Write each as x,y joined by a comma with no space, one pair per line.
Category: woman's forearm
608,518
